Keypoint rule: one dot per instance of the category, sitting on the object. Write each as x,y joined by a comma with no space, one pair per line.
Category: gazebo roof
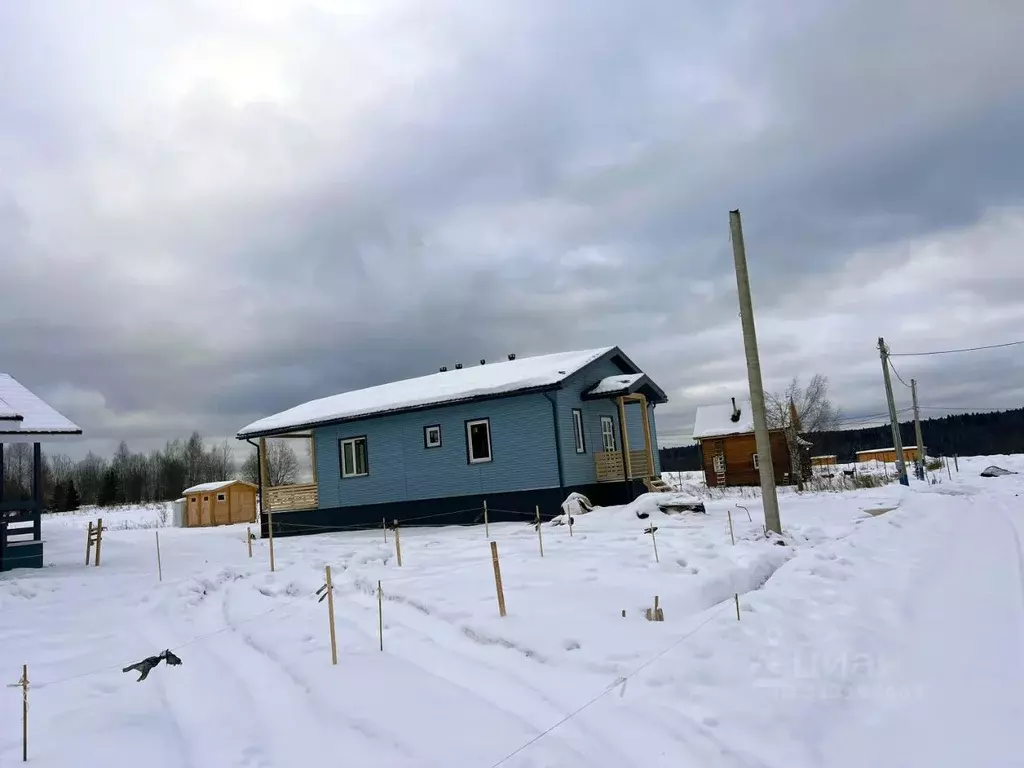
24,415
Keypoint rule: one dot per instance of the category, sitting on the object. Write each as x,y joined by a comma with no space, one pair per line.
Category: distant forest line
964,434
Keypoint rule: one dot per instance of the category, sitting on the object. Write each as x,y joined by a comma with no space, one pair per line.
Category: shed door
205,517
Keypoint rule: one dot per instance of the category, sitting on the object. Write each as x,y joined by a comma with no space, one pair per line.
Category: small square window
206,498
354,459
221,497
577,430
478,441
432,436
757,464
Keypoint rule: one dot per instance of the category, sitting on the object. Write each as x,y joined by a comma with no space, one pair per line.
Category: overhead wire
952,351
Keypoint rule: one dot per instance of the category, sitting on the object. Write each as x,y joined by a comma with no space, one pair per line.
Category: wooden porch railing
287,498
609,465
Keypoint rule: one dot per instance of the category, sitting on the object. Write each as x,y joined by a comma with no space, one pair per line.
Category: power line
893,367
951,351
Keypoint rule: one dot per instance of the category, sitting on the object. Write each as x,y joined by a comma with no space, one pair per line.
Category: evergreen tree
109,491
72,500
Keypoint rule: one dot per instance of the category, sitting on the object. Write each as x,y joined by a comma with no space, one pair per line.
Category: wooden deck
286,498
610,469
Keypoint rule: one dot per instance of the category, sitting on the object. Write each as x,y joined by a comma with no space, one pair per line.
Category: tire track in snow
374,736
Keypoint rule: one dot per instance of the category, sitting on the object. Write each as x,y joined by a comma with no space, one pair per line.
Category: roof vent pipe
735,411
444,368
512,356
458,366
482,361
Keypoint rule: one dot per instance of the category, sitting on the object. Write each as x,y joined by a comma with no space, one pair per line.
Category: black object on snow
146,665
994,471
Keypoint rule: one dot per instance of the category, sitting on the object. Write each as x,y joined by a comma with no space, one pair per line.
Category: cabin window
719,463
577,430
221,497
354,461
478,440
757,464
432,436
206,498
608,433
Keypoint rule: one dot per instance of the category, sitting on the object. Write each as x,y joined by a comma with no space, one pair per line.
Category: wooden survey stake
497,578
540,535
159,565
270,536
398,545
329,589
380,615
487,527
23,684
248,539
732,534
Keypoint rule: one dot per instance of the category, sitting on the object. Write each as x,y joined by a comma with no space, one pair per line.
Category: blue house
24,418
517,434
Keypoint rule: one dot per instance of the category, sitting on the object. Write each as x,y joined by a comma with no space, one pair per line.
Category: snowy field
866,638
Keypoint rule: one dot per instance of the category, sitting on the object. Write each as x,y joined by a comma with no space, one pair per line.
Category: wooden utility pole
897,441
769,495
919,465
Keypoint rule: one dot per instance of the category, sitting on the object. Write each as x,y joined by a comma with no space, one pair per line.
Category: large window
608,433
577,430
354,461
478,441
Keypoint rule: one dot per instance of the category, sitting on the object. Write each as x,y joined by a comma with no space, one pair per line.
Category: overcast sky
212,210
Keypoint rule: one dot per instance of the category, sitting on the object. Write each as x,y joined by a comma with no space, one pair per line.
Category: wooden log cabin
220,503
725,435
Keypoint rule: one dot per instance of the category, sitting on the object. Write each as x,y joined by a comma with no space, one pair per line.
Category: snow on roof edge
36,416
481,382
212,486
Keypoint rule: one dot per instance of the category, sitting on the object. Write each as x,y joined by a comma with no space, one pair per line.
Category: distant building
220,503
518,434
24,418
887,454
728,446
824,461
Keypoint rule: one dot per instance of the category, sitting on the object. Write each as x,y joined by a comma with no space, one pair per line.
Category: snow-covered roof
825,456
890,448
717,420
613,384
492,379
211,487
22,412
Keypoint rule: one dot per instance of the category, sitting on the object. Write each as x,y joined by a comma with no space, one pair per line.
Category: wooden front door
205,507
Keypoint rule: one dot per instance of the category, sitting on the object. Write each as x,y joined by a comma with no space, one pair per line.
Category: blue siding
579,467
401,469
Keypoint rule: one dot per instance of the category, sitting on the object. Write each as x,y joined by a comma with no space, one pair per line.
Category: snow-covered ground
893,639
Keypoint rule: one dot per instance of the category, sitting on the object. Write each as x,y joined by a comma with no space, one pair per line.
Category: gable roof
215,486
626,384
716,420
510,377
23,413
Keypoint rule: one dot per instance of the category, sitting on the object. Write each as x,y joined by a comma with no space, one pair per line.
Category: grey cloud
477,180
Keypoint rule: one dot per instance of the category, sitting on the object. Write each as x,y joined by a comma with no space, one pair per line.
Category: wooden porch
290,497
617,466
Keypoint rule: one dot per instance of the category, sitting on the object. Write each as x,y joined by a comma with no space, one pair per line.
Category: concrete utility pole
897,441
764,452
919,464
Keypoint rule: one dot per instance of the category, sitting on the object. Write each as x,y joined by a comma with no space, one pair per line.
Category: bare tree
815,411
250,470
282,463
18,470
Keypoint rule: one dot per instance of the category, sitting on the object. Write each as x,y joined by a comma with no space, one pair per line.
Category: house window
206,498
757,465
354,461
577,430
432,436
478,441
719,463
221,497
608,433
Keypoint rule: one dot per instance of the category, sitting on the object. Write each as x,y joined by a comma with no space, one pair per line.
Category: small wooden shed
886,454
220,503
829,460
